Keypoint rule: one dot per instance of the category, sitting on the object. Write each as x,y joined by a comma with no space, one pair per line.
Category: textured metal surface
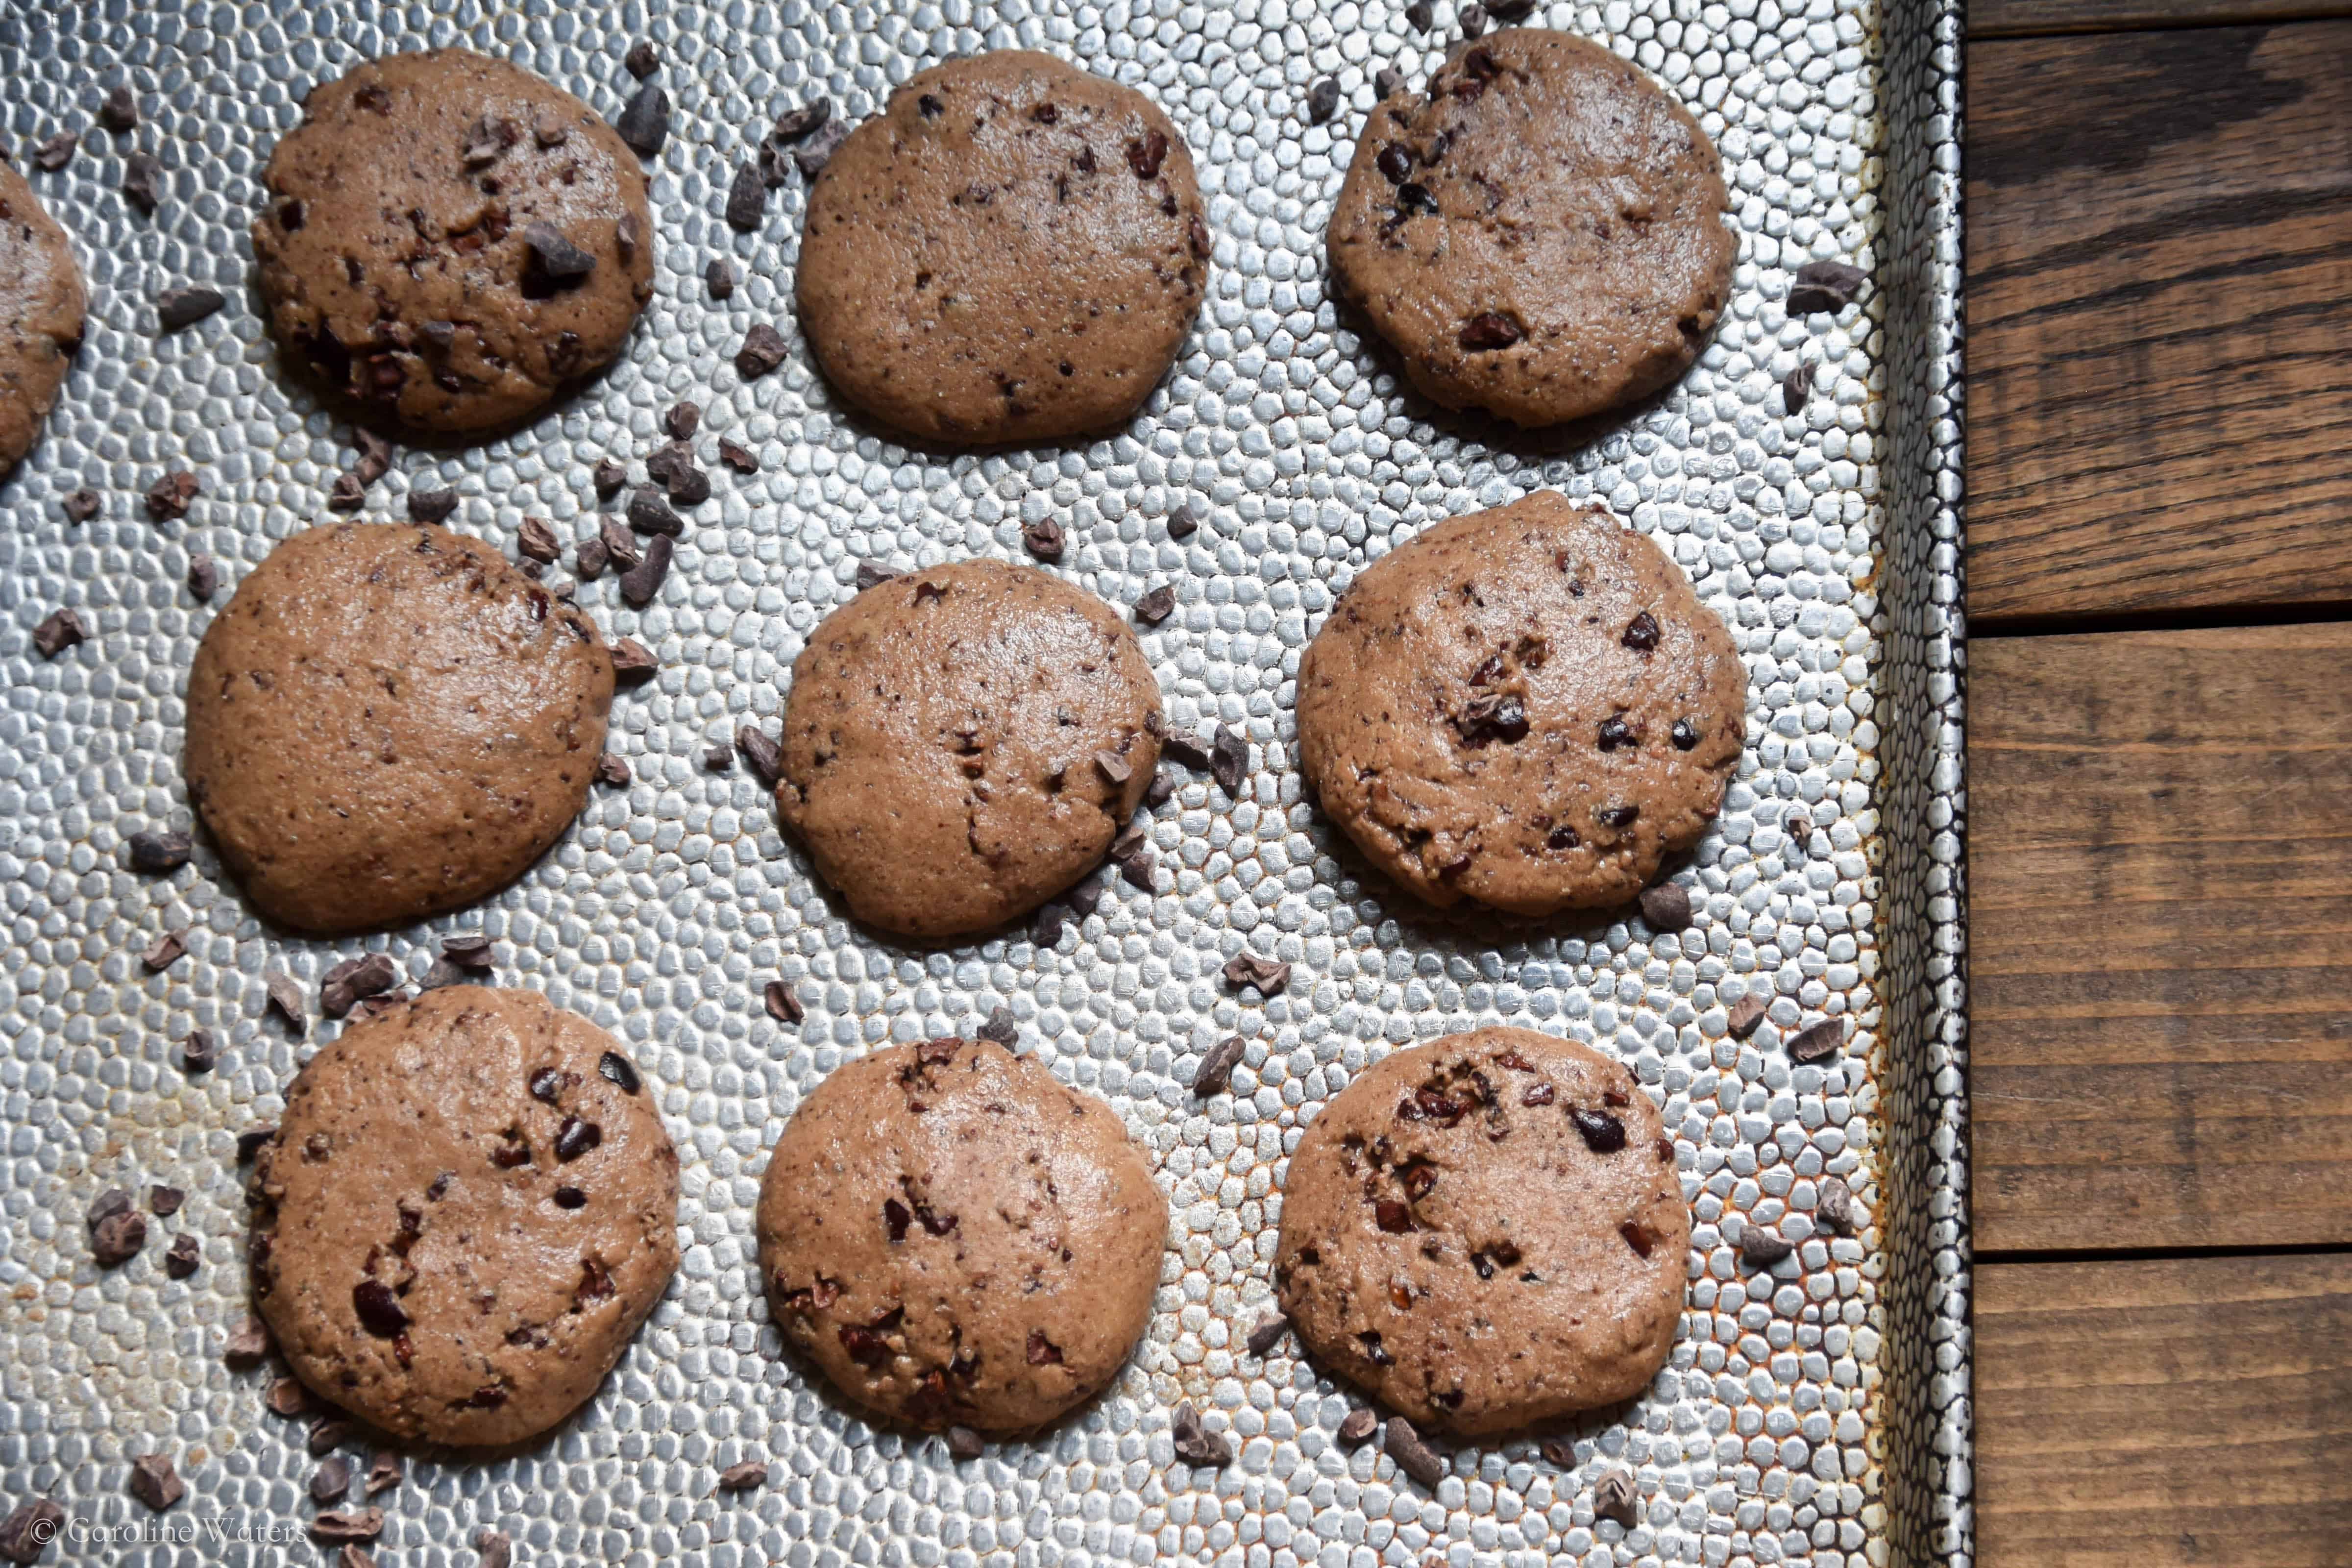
1818,1413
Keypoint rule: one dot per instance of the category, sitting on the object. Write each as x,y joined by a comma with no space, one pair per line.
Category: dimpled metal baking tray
1817,1413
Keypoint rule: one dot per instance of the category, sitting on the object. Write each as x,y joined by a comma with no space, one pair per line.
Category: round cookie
963,744
426,227
1011,250
1541,235
388,721
1527,708
41,306
1486,1232
470,1205
958,1240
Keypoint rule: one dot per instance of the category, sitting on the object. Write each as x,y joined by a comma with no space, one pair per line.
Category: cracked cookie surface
470,1206
963,742
1540,234
42,304
956,1239
449,240
1487,1232
1013,251
1527,708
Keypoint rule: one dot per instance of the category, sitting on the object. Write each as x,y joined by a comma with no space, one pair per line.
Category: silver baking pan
1818,1414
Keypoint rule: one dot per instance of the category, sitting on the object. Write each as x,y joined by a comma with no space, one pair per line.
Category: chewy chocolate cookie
1527,708
1011,250
41,307
470,1205
961,743
388,721
958,1240
450,240
1486,1232
1540,235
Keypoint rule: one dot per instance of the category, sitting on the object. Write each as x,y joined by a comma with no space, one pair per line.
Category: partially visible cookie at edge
451,241
42,304
470,1206
1487,1232
1013,251
961,743
1527,708
1540,234
956,1239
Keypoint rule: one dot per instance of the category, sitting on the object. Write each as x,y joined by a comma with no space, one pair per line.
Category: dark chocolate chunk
1248,969
1199,1448
117,1239
644,123
1421,16
766,757
26,1533
719,278
535,540
1623,815
143,182
1000,1028
1414,199
1217,1070
640,583
1323,101
1667,907
1684,735
785,1003
168,497
1759,1248
1163,790
963,1442
1797,389
1613,1498
763,350
156,854
1835,1207
575,1138
1043,538
1490,330
1818,1042
718,758
1267,1334
643,60
198,1053
739,459
747,197
870,575
633,661
347,1524
1185,521
154,1482
1387,82
1229,761
1182,746
1746,1013
1356,1428
556,258
176,309
744,1476
59,631
354,978
811,155
619,1072
331,1480
609,477
1603,1134
1413,1456
249,1342
589,559
1146,153
204,577
431,506
1045,928
468,950
1395,162
1641,633
1823,286
79,506
286,997
379,1311
119,109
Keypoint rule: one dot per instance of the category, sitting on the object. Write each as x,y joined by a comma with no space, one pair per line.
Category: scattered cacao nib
763,350
354,978
1157,606
963,1444
1043,538
347,1524
675,468
286,997
1759,1248
643,60
1183,746
431,506
1323,101
178,308
287,1397
811,156
1267,1334
1185,521
739,459
26,1533
1413,1456
1217,1070
785,1003
204,577
1746,1013
1823,286
766,757
106,1205
1667,906
1817,1042
535,540
1163,790
379,1311
1490,330
119,109
1115,768
468,949
1146,153
619,1072
718,758
250,1141
1641,633
249,1342
1229,761
1000,1028
154,1482
331,1480
719,278
612,770
81,505
1473,18
633,661
1797,389
589,558
640,583
1045,928
1199,1448
644,123
385,1473
1603,1134
163,1202
795,123
1084,898
55,151
1613,1498
1246,969
1387,82
143,182
609,476
744,1476
682,419
1557,1451
198,1054
158,854
1835,1207
497,1550
575,1138
60,630
168,497
549,131
1356,1428
549,1083
747,197
1421,16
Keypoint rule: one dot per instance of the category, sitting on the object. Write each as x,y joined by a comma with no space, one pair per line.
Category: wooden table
2159,512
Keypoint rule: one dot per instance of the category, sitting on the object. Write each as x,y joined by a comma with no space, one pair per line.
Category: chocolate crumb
812,156
158,854
785,1003
1217,1070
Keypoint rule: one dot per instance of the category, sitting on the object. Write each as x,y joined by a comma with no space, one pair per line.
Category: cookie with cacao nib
468,1208
450,241
388,721
1539,234
958,1240
1527,708
42,304
963,742
1486,1232
1013,251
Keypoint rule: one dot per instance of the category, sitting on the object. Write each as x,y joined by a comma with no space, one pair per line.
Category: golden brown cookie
470,1206
963,744
958,1240
1011,250
1540,234
1527,708
450,240
387,722
1486,1232
41,306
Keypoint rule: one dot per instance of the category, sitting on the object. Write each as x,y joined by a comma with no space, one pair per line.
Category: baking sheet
1818,1416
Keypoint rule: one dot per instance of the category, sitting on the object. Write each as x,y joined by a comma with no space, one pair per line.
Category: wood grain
2146,1415
2160,939
2025,19
2159,299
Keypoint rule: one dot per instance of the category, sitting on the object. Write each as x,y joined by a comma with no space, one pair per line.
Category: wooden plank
2026,18
2160,939
2147,1415
2160,356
